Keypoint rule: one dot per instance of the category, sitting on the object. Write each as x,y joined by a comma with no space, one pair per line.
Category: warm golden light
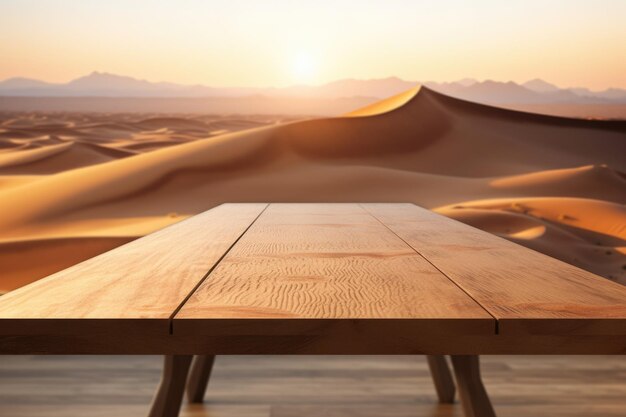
304,67
278,42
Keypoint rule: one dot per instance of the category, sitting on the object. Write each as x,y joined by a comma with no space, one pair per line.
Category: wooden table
317,279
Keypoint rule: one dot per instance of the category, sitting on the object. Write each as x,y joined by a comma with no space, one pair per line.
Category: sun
304,66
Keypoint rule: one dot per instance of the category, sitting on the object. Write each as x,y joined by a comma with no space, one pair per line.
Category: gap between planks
497,327
204,278
208,273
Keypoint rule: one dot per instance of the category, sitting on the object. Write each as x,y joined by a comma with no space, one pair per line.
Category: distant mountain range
98,84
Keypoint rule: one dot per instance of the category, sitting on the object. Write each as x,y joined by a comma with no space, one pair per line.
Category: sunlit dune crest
552,184
385,105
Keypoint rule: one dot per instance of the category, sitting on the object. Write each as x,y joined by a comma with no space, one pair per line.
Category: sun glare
304,67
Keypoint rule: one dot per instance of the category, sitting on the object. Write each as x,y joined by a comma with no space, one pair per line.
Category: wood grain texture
317,279
528,292
138,285
328,262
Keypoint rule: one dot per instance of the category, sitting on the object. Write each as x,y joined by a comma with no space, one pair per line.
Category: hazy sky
277,43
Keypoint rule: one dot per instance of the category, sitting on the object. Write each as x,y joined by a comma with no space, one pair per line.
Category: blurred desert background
119,118
129,116
75,184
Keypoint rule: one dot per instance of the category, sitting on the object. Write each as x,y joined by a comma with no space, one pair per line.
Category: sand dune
57,158
47,256
588,233
57,142
591,181
552,184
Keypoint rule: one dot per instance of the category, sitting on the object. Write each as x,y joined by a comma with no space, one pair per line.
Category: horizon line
177,83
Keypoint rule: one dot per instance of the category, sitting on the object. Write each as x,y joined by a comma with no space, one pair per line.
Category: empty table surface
317,278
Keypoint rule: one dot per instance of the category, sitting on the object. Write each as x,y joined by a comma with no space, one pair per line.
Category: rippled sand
75,185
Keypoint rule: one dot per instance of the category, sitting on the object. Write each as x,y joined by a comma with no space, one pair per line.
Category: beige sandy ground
72,186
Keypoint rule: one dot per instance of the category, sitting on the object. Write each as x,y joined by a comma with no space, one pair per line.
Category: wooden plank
528,292
301,268
142,282
294,337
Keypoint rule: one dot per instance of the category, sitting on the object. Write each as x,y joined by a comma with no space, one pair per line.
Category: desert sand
75,185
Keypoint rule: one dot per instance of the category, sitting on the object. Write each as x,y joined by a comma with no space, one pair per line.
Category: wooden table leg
442,378
169,396
473,395
199,377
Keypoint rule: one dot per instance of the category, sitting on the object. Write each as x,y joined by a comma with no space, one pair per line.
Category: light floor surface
310,386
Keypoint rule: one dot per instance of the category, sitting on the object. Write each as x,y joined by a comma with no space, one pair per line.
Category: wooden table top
317,278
